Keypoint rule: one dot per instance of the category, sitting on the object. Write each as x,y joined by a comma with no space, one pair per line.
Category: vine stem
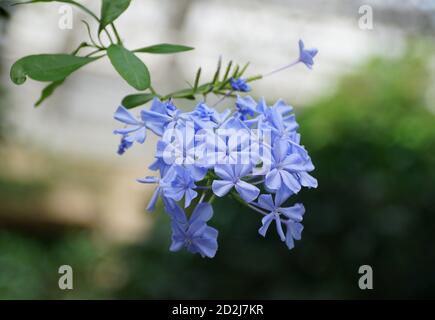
223,98
93,15
202,197
282,68
249,205
115,31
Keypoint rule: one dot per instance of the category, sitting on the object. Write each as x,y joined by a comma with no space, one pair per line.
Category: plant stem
251,206
93,52
93,15
115,31
202,197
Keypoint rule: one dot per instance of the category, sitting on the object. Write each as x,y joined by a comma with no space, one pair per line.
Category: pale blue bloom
240,84
182,185
289,170
162,184
231,176
162,116
246,107
193,234
290,216
124,145
135,130
306,56
226,147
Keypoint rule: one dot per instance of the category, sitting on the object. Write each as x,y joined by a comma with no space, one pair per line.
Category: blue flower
193,234
206,117
228,149
290,217
182,185
231,177
289,170
256,144
124,145
306,56
135,130
162,116
245,107
240,84
293,232
162,184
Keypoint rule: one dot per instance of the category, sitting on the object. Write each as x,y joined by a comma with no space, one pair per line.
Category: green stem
212,198
115,31
254,78
93,52
82,45
236,197
88,28
93,15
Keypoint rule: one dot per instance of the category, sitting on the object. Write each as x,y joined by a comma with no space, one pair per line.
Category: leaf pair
132,69
55,68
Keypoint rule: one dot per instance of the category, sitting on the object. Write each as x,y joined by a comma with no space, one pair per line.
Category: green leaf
111,10
135,100
46,67
36,1
48,91
198,76
164,48
130,67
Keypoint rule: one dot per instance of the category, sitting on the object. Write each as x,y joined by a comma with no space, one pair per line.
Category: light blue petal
138,136
152,204
279,229
124,116
280,149
221,187
203,212
294,213
281,196
290,181
224,171
266,221
125,131
206,247
176,245
148,180
265,202
307,180
273,179
248,192
189,196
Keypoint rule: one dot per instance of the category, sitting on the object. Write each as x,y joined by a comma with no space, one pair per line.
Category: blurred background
367,116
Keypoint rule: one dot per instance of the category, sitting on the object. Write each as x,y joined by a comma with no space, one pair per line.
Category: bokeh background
367,116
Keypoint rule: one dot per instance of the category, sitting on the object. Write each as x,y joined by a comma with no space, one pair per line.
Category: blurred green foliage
373,144
29,266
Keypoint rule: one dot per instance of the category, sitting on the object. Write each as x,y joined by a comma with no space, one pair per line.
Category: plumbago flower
251,152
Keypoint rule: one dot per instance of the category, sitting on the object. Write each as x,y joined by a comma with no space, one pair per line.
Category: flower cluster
251,153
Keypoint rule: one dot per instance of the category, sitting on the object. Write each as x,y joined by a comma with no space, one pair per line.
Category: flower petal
189,195
203,212
307,180
294,213
265,201
125,116
224,171
290,181
266,221
247,191
273,180
221,187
